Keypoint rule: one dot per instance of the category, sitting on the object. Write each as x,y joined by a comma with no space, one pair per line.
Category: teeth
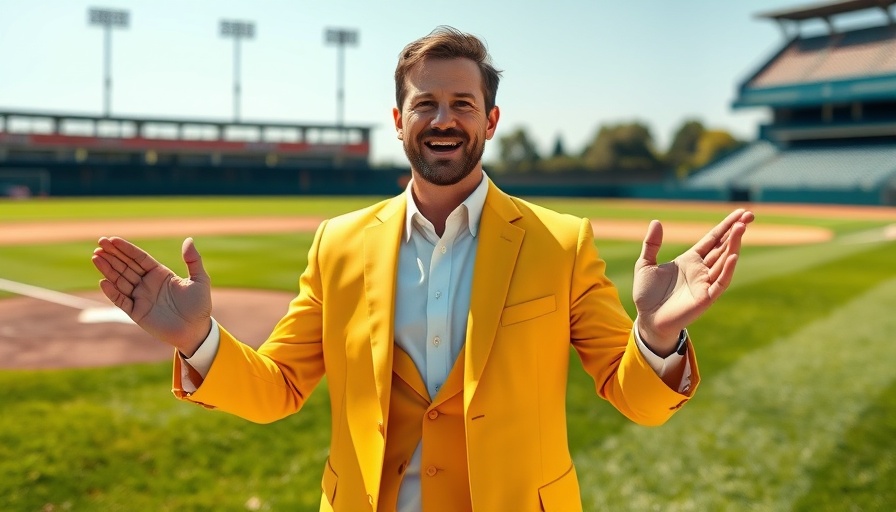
443,143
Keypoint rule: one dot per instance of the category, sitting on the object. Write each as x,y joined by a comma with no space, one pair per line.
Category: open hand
669,297
172,309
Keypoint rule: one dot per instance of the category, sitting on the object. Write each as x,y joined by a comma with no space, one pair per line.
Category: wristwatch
682,346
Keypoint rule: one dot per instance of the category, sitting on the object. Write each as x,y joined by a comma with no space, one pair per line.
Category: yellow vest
443,470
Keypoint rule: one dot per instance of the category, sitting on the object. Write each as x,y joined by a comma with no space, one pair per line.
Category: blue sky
569,66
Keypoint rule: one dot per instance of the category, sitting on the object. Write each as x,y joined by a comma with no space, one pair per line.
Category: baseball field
797,409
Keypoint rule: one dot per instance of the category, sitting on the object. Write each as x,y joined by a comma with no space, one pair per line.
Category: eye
424,105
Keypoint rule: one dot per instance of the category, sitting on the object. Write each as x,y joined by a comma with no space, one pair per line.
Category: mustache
435,132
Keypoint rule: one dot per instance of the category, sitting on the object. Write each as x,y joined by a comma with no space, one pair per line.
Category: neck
436,202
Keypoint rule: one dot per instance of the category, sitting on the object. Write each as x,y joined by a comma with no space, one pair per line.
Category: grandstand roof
825,9
32,114
859,65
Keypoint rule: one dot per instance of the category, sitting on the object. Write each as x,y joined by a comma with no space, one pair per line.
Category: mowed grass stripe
747,318
860,473
759,429
756,265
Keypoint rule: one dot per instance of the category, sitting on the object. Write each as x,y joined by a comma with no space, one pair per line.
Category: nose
444,118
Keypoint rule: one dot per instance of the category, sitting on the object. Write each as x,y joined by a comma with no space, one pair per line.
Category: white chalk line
92,312
884,234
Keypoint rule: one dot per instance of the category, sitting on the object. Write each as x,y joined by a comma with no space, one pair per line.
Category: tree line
619,148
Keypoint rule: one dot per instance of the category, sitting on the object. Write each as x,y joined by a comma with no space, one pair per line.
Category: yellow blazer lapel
368,379
381,244
499,245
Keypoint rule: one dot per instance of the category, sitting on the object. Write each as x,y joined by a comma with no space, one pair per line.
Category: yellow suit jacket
538,287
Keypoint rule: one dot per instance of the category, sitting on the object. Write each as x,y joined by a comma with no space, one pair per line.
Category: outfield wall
68,179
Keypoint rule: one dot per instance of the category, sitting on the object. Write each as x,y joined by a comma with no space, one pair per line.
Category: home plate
106,315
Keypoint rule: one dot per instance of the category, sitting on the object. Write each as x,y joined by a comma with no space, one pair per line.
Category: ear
492,122
396,116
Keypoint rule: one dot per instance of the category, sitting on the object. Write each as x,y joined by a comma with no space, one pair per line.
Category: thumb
653,240
194,262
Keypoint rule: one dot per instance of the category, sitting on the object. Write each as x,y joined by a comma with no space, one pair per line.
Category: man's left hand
669,297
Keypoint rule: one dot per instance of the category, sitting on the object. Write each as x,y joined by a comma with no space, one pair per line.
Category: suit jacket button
431,471
433,414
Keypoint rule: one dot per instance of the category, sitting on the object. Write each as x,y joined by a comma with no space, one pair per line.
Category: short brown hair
448,43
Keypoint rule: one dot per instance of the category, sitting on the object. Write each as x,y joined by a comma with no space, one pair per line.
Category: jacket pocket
528,310
328,483
562,494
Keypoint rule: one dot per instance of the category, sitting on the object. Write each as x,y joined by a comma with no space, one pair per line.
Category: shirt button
431,471
433,414
438,295
436,341
370,499
443,249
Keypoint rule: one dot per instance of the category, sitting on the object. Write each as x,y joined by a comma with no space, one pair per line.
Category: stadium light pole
341,37
238,30
108,19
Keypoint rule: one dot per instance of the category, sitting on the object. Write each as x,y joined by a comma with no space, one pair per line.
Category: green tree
559,149
684,144
622,147
695,146
559,160
518,151
714,144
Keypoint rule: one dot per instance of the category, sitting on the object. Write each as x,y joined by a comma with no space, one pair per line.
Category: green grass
114,439
796,410
177,207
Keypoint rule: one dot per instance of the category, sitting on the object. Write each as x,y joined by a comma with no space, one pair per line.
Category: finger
653,240
123,302
732,247
194,262
136,258
113,276
716,235
109,248
713,256
119,266
722,247
724,280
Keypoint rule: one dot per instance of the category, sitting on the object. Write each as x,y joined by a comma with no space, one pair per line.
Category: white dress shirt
434,281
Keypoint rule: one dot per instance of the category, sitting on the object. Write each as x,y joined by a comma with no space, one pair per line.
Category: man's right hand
173,309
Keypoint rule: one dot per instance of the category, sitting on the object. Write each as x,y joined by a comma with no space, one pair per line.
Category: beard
444,171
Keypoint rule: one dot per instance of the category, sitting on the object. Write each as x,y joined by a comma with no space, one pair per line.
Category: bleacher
723,173
844,168
761,164
832,136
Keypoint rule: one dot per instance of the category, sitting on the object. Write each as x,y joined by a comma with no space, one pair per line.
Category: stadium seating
721,173
859,167
852,173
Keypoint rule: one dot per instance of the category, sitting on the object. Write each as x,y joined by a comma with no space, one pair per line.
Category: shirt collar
474,203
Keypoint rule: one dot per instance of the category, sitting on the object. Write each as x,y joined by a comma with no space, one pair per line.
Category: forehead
445,76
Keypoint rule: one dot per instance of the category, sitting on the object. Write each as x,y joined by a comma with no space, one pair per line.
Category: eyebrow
464,95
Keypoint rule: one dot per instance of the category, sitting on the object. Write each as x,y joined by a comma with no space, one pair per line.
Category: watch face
682,343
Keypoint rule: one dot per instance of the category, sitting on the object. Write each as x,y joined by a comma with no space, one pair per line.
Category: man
443,319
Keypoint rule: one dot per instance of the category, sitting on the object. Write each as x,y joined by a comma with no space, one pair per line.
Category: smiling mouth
442,146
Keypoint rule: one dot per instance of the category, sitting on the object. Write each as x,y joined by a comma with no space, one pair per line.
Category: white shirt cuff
663,365
202,359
